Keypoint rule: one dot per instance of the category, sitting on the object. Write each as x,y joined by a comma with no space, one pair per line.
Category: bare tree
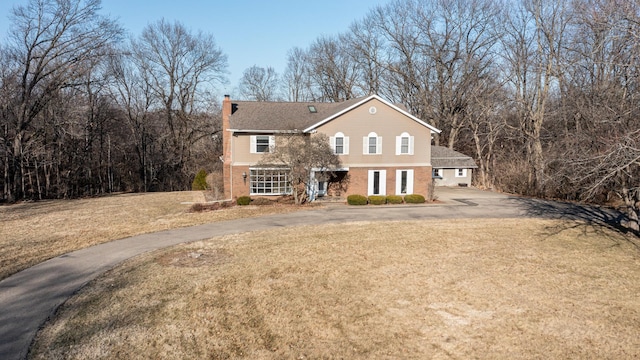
51,42
260,84
533,49
601,153
180,68
301,155
132,92
332,70
296,77
365,49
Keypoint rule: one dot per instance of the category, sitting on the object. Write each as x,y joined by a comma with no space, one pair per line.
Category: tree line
85,110
544,94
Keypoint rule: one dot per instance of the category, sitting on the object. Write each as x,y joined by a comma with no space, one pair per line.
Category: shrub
356,200
244,200
414,199
199,207
377,199
263,201
394,199
200,181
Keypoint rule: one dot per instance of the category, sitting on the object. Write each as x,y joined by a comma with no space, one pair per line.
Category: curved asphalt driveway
29,297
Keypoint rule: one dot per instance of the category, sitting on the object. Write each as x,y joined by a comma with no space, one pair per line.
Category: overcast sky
250,32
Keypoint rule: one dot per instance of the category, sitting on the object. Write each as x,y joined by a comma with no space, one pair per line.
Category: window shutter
410,145
272,143
346,145
365,145
379,145
252,144
398,145
410,181
383,182
332,143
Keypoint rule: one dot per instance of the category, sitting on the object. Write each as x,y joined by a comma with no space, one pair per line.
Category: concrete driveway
29,297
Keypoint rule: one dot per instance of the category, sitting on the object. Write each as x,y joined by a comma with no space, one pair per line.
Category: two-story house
383,149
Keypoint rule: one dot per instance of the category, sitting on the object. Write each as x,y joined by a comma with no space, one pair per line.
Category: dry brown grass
33,232
491,289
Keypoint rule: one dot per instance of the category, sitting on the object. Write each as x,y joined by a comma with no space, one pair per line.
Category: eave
326,120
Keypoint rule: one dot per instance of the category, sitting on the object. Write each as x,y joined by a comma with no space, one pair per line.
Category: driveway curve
29,297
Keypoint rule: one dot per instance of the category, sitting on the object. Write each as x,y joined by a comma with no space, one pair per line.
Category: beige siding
449,178
386,123
241,150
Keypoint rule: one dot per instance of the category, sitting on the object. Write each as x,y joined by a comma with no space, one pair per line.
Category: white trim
272,143
399,181
322,122
283,173
265,131
327,169
382,184
399,144
345,143
357,165
365,144
387,165
253,144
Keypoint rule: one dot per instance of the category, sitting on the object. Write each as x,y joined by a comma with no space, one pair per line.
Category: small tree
301,154
200,181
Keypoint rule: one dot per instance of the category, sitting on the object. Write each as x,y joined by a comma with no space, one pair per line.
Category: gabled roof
443,157
364,100
281,116
296,116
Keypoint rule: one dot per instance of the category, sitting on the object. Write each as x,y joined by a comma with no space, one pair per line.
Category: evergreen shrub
414,199
356,200
377,199
244,200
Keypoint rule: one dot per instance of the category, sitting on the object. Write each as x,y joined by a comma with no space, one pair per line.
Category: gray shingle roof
443,157
255,115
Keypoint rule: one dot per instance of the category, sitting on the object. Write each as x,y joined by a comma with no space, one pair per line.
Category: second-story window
404,144
262,143
340,144
372,144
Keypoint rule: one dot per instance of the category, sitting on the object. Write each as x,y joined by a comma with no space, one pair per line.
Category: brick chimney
226,146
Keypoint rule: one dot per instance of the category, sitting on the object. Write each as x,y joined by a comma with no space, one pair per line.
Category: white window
377,182
340,144
437,173
372,144
461,172
263,181
404,144
262,143
404,182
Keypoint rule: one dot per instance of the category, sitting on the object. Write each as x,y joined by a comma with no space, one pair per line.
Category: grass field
489,289
33,232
